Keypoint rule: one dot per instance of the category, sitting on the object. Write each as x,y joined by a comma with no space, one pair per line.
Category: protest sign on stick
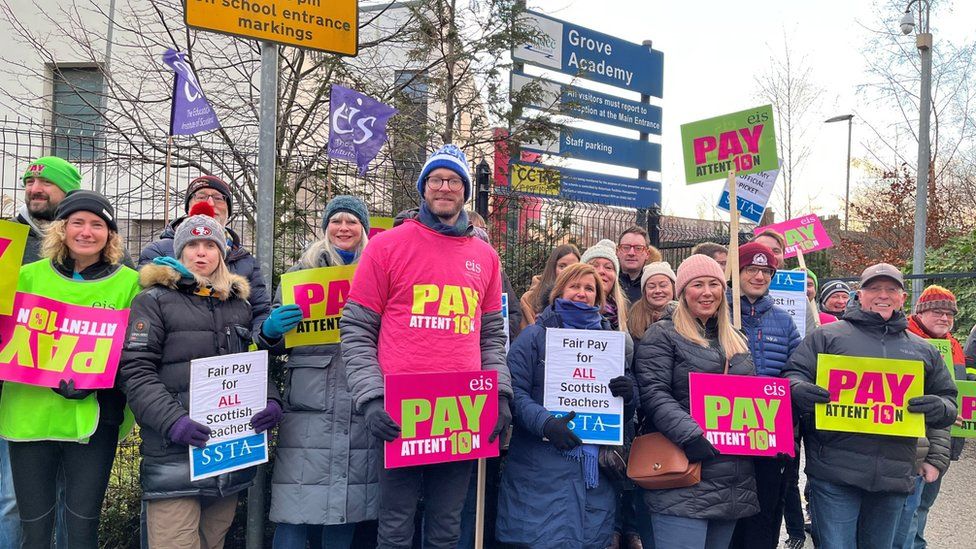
966,402
788,290
733,257
805,233
321,293
13,241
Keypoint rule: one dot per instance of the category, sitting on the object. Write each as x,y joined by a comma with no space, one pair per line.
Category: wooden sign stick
732,265
479,517
803,265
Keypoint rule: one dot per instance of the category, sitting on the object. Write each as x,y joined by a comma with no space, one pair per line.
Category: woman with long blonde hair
657,298
697,337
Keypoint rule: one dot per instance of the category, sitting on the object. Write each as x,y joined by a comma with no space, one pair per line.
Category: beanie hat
57,170
81,200
209,182
200,225
450,157
754,253
697,266
813,277
605,249
936,297
657,268
832,287
350,205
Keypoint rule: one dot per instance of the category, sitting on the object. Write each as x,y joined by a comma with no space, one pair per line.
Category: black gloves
934,407
557,430
700,449
379,423
805,394
68,391
504,418
622,386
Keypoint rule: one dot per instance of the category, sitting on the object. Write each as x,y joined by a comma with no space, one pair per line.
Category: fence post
483,178
654,225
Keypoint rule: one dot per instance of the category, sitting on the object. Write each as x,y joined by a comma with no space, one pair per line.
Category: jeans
846,517
642,519
761,531
911,528
907,515
443,487
688,533
9,517
86,469
468,514
792,505
295,536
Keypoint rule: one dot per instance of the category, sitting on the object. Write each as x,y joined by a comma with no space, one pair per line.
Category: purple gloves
266,419
189,433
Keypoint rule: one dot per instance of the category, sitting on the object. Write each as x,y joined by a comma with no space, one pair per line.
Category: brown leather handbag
656,463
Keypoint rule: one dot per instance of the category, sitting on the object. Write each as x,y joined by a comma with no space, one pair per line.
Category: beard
445,212
45,212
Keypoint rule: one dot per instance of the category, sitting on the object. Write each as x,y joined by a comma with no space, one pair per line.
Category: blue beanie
452,158
348,204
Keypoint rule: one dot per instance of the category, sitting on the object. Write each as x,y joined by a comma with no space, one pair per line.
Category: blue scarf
428,218
347,256
583,317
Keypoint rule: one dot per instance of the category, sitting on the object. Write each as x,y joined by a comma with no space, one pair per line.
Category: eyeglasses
939,314
437,183
635,247
217,198
753,271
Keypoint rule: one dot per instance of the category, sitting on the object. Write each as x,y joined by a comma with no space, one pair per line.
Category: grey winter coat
874,463
663,361
170,325
326,468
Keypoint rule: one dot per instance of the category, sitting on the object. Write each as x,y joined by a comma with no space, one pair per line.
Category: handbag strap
726,365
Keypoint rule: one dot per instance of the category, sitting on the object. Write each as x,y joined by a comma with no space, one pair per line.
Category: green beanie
816,284
57,170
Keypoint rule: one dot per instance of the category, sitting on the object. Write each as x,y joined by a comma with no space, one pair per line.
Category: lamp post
923,41
847,186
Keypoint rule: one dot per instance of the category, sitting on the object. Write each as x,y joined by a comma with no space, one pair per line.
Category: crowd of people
197,292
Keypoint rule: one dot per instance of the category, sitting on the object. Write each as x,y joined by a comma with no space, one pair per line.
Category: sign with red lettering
743,142
966,401
321,293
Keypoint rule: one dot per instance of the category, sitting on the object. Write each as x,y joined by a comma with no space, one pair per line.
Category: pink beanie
697,266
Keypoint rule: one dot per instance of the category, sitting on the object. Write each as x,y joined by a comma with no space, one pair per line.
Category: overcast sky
714,50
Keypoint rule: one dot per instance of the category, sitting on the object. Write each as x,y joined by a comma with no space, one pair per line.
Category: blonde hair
622,304
55,248
574,272
642,315
220,281
730,340
312,254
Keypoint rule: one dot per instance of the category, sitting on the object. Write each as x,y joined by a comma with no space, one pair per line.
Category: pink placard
743,415
442,417
45,341
806,233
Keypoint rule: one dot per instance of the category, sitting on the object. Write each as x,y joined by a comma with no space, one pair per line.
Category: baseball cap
882,270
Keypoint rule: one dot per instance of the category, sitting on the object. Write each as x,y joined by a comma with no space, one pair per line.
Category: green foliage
119,527
954,256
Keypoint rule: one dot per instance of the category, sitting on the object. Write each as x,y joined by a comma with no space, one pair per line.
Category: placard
751,194
805,233
945,349
966,401
788,289
13,241
45,341
378,224
579,367
321,294
743,415
508,335
743,141
442,417
225,392
870,395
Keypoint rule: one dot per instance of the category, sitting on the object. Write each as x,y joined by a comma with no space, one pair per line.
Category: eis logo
447,307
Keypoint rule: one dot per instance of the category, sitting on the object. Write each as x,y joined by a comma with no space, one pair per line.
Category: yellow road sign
327,25
530,179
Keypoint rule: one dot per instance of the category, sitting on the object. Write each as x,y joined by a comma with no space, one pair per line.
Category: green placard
967,409
742,141
945,347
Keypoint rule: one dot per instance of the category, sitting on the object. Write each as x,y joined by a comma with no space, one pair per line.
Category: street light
847,187
923,41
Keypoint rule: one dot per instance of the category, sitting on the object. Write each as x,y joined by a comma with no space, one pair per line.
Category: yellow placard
945,349
13,240
870,395
327,25
379,224
535,180
321,293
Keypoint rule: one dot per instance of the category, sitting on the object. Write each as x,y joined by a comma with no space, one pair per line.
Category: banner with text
870,395
225,392
805,233
443,417
13,240
579,367
743,141
788,290
966,401
321,293
751,194
743,415
945,349
45,341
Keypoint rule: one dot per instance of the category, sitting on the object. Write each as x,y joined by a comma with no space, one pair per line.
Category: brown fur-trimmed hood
160,275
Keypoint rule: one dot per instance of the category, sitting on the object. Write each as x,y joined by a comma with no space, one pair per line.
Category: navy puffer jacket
771,333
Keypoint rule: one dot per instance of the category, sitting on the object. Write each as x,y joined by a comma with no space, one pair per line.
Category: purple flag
191,112
357,128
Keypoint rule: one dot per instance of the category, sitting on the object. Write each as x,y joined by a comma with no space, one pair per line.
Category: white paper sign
225,392
789,291
752,194
579,365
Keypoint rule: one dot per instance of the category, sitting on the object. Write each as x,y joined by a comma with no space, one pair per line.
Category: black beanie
87,201
209,182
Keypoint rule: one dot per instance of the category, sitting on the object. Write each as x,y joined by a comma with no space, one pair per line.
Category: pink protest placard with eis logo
45,341
743,415
805,233
442,416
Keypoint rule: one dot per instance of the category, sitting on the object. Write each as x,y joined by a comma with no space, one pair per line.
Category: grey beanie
350,205
830,288
201,225
604,249
657,268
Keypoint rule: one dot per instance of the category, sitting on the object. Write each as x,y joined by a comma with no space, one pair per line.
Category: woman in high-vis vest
68,429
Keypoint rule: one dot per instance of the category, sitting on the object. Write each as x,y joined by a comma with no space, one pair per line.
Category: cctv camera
907,23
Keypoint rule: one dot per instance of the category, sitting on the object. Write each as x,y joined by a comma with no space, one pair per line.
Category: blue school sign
584,186
601,147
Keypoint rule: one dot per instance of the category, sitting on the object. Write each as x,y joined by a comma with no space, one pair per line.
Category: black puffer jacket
875,463
170,325
663,361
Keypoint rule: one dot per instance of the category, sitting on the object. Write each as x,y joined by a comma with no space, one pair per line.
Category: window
410,141
76,101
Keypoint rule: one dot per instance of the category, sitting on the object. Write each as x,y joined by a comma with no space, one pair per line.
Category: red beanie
754,253
936,297
698,266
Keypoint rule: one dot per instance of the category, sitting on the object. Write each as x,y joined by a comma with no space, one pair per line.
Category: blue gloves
174,264
189,433
281,321
266,419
